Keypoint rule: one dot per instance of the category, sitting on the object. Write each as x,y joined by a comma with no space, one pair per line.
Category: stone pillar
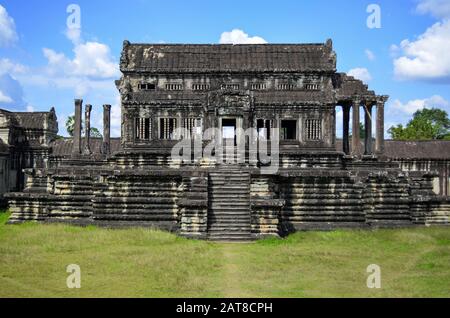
346,129
355,128
379,143
368,129
76,148
106,149
87,130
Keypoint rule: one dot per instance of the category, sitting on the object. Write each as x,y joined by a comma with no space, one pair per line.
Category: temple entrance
229,131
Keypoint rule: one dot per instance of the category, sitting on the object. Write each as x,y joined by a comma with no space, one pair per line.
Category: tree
70,124
95,133
362,132
426,124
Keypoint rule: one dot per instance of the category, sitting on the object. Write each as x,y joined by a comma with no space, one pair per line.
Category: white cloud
74,35
5,98
8,33
412,106
91,69
360,73
437,8
7,66
237,36
370,55
428,57
92,59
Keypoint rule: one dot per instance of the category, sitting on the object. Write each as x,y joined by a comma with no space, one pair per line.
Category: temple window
313,129
288,130
143,128
263,128
200,87
167,128
174,87
193,126
286,87
312,86
146,86
234,87
258,86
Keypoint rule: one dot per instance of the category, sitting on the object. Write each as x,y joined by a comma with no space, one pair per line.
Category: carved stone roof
347,87
31,120
205,58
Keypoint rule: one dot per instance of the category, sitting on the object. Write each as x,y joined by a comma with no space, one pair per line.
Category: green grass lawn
147,263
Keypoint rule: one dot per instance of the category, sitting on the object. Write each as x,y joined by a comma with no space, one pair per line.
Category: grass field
146,263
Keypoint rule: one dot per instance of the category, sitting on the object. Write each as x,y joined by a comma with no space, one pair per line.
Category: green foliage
362,132
95,133
426,124
70,124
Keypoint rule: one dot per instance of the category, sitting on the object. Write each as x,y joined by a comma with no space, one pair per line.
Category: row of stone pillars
379,139
106,145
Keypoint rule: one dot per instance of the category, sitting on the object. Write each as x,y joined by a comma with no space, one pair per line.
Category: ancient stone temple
266,117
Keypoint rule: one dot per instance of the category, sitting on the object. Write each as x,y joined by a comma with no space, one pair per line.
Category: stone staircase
229,214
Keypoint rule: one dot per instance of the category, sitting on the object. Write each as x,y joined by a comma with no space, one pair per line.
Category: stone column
106,149
379,143
368,129
346,129
355,128
76,148
87,130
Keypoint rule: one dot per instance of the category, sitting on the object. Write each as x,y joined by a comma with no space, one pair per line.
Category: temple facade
202,125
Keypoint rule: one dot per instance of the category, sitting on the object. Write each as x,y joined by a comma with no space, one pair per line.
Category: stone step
230,190
244,210
214,221
231,238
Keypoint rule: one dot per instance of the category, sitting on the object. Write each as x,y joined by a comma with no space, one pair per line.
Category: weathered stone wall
321,202
441,182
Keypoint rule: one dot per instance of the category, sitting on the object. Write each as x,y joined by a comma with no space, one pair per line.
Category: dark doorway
288,129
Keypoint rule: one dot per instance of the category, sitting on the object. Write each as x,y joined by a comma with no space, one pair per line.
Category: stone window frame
146,86
286,86
190,123
167,133
313,129
268,132
258,86
311,86
174,87
142,129
200,87
230,86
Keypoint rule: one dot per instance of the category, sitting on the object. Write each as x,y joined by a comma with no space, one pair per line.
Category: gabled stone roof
205,58
31,120
347,87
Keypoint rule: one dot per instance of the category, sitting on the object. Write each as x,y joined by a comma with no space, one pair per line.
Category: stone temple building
288,93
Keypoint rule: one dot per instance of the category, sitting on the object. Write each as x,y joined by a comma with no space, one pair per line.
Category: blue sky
41,65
